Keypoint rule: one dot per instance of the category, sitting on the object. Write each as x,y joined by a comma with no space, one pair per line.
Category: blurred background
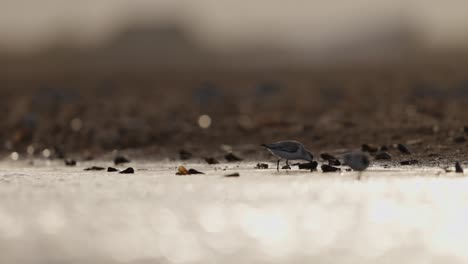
99,75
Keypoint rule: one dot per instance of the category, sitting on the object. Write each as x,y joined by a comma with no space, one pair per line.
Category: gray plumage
289,150
357,160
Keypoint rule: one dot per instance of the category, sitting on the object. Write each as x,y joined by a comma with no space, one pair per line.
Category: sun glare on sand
325,219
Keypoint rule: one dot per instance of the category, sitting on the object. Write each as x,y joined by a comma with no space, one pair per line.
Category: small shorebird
289,150
357,161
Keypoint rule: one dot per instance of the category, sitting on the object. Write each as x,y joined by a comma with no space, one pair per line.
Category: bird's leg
359,175
287,165
277,165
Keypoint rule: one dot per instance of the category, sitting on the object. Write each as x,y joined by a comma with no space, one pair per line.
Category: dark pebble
211,161
327,157
409,162
231,157
110,169
70,162
403,149
465,129
458,168
235,174
328,168
120,160
334,162
194,171
308,166
459,139
261,166
184,155
286,167
384,148
128,170
383,156
94,168
367,148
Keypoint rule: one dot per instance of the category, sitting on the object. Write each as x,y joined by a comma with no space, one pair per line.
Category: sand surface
50,213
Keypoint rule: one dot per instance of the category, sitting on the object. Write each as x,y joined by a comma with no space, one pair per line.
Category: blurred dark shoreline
154,106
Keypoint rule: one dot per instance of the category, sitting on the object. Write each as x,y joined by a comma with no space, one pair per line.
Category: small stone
328,168
120,160
409,162
94,168
193,171
383,156
235,174
383,148
70,162
185,155
458,168
231,157
111,169
308,166
334,162
286,167
261,166
211,161
181,170
368,148
128,170
403,149
460,139
327,157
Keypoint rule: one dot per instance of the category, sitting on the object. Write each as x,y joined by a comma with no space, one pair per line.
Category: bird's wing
287,146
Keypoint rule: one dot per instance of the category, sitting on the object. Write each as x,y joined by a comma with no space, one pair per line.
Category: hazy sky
298,24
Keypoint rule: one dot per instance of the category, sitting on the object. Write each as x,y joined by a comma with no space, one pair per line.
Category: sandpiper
289,150
357,161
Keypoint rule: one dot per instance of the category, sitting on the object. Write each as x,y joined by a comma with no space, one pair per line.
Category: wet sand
50,213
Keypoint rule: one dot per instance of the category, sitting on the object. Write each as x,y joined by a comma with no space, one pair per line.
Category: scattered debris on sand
327,157
194,171
235,174
128,170
231,157
183,171
94,168
458,167
308,166
334,163
111,169
328,168
332,160
211,161
70,162
409,162
403,149
261,166
120,160
383,156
